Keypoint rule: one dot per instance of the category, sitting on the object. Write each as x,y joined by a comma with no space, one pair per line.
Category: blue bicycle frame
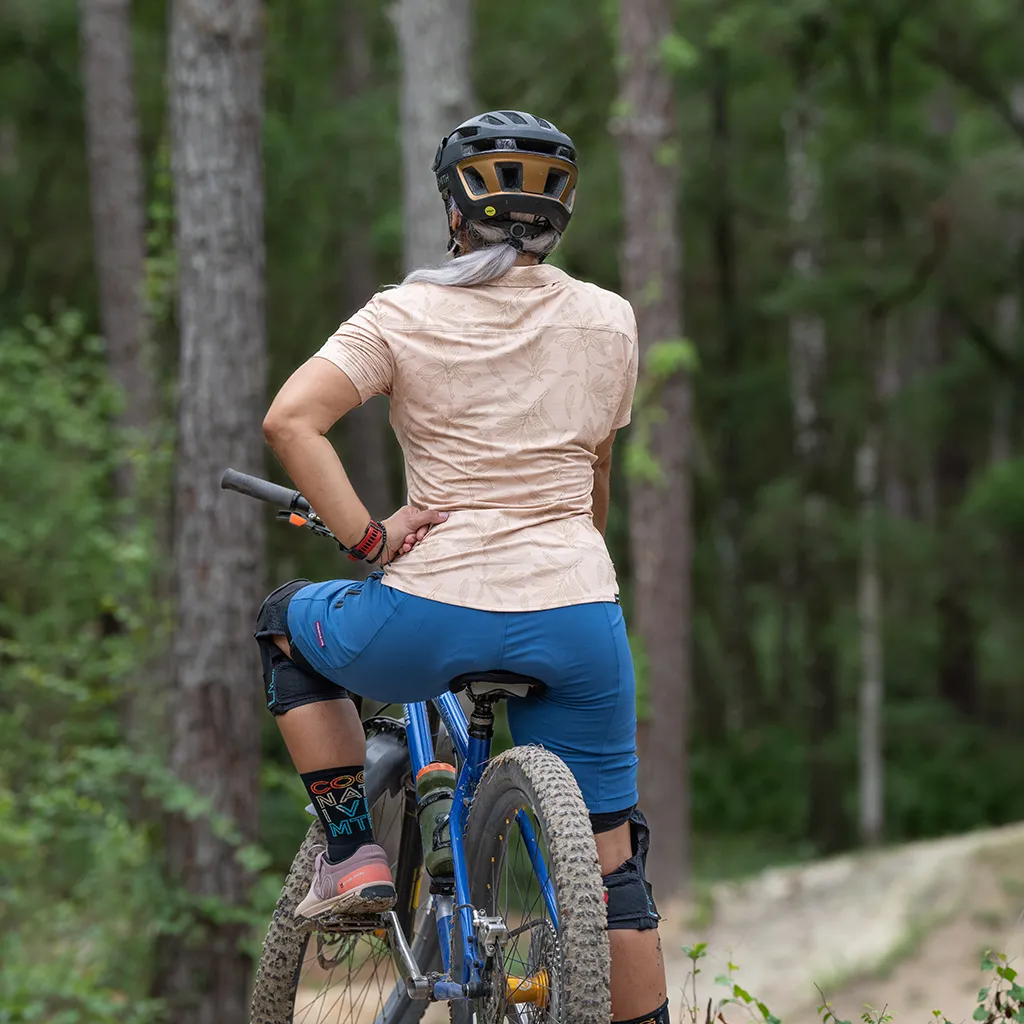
473,754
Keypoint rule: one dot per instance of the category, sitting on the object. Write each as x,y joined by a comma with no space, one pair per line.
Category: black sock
658,1016
339,798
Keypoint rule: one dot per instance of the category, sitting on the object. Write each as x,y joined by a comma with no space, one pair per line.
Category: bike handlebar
263,490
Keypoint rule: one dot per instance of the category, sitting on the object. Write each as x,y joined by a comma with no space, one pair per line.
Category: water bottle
435,787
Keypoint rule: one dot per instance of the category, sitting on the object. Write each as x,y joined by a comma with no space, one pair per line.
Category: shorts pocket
334,627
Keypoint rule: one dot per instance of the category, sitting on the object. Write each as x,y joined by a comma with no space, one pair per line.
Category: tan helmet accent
536,171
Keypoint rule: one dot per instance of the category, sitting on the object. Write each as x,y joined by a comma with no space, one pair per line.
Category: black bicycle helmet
505,162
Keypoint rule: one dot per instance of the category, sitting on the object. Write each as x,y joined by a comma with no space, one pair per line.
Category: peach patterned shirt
500,395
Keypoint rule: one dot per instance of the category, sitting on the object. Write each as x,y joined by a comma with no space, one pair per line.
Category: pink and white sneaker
360,884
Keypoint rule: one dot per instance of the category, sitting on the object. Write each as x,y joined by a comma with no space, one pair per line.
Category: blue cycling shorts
389,646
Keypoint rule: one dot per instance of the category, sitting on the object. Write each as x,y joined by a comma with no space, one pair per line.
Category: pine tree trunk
1008,326
1001,446
869,608
117,201
216,110
436,96
368,447
651,272
956,621
118,210
811,578
740,692
873,454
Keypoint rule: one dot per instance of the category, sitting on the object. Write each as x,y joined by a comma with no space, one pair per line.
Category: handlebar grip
263,490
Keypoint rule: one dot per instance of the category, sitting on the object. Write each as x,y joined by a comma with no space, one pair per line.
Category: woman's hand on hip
407,527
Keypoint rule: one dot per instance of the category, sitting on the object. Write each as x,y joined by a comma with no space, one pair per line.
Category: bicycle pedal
338,924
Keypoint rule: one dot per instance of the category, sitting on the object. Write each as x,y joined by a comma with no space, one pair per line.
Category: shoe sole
372,898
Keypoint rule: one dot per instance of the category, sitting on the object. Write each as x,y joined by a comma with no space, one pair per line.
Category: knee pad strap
629,897
289,686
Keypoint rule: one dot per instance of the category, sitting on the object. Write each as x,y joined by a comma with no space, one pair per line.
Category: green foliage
67,840
678,54
917,158
76,623
1001,1000
663,360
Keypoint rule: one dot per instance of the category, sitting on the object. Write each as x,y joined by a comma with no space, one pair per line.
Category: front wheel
540,972
324,972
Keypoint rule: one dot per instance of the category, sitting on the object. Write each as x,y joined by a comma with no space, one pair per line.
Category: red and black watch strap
372,539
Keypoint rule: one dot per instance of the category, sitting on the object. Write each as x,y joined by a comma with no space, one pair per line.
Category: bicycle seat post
481,721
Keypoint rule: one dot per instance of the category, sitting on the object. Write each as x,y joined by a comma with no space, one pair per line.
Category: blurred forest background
817,209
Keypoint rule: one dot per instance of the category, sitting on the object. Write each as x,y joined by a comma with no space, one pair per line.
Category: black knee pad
289,682
630,901
272,618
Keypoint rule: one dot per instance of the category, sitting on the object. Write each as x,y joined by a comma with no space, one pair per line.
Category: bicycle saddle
494,684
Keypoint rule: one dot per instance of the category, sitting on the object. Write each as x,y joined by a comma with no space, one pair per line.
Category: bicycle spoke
518,896
359,973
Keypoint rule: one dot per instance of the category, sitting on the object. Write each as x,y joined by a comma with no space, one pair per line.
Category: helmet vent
475,181
491,119
555,183
544,124
511,177
514,117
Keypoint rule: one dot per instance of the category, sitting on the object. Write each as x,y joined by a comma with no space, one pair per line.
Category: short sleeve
624,414
359,349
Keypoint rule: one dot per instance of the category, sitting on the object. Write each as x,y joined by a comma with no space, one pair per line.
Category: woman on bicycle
508,380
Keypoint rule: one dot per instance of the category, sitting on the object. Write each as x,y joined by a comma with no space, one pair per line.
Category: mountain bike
514,929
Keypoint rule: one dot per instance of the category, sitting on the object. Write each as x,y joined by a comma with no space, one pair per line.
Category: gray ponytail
489,257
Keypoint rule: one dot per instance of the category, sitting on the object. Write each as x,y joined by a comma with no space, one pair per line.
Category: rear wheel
328,973
539,973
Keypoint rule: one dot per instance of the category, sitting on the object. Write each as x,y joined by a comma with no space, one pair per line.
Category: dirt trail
902,928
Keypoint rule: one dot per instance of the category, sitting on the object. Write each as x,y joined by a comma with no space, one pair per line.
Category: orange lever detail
296,520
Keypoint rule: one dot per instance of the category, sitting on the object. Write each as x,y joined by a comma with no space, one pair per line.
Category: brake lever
309,521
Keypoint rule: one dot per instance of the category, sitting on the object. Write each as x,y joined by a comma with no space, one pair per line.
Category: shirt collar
528,277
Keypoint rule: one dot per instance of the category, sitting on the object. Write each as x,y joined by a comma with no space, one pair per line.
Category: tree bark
957,625
740,688
811,580
366,431
1001,445
436,96
1008,324
869,611
216,111
118,210
651,273
876,448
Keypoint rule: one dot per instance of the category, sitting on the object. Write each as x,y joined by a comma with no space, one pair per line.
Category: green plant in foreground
1002,1000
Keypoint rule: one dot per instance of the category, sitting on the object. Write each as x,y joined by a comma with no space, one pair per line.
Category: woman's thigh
387,645
586,713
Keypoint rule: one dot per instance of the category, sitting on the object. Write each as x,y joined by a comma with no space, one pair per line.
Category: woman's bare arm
311,401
